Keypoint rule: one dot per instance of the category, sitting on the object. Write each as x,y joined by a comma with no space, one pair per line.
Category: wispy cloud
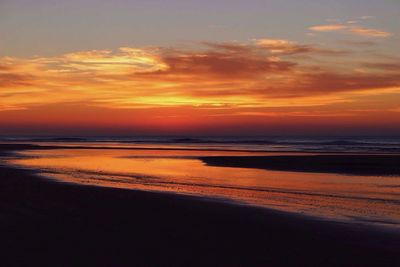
285,47
328,27
367,17
351,27
384,66
369,32
359,43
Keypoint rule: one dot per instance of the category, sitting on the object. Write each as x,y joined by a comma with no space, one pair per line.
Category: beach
48,223
199,133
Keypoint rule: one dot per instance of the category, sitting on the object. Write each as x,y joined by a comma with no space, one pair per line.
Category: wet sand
44,223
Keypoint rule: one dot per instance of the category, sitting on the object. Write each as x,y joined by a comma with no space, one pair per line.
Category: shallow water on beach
363,199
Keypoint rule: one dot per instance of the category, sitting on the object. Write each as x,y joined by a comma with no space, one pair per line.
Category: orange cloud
285,47
328,27
351,28
223,65
369,32
384,66
230,77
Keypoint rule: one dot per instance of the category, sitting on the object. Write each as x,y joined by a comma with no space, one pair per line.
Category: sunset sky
276,67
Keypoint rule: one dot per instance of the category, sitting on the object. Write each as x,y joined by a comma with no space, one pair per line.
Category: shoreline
30,146
49,223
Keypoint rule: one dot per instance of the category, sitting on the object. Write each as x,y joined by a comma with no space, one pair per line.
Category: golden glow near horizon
264,77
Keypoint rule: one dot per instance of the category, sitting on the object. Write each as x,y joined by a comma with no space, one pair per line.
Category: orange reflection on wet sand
361,198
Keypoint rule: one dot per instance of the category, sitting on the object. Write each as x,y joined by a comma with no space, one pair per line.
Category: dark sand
44,223
344,164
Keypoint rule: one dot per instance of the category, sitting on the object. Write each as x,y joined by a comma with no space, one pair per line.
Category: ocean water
278,144
174,165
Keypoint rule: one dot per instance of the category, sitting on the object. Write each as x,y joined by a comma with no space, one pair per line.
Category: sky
287,67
